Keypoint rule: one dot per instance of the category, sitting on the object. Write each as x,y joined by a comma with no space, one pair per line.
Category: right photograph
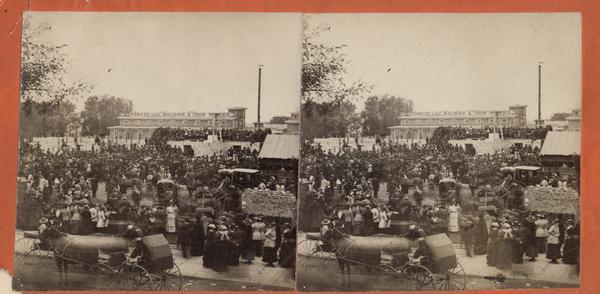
439,152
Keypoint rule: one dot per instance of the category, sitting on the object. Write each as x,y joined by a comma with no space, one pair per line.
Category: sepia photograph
439,152
158,151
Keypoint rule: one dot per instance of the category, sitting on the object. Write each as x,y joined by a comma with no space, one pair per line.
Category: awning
280,147
562,143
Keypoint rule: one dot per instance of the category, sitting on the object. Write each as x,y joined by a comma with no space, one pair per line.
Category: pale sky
180,62
464,61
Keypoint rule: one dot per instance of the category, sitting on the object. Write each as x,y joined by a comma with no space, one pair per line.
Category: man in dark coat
185,235
86,220
368,228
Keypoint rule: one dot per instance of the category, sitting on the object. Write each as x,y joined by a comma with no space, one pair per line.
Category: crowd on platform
461,133
223,134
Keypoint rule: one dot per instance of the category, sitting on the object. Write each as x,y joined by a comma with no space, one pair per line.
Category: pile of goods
269,203
553,200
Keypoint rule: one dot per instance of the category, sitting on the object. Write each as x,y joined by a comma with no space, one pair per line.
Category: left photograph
158,151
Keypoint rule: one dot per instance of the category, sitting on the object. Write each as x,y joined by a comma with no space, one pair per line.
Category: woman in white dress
171,210
454,211
102,223
383,219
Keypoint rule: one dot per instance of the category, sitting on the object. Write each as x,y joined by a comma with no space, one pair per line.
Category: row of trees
328,107
47,96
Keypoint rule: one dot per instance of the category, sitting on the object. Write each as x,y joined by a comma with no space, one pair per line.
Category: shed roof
280,147
562,143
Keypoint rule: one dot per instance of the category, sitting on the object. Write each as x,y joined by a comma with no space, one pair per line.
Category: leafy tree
327,119
324,90
279,119
46,107
560,116
43,73
382,112
99,113
47,118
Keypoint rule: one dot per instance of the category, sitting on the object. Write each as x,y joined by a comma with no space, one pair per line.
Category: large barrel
85,249
440,252
158,252
388,244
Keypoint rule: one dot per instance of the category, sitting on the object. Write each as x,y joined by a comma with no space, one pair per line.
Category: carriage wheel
312,255
134,277
418,277
452,279
305,249
28,253
391,272
167,279
104,276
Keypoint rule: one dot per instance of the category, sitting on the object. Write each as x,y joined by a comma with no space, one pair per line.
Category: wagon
105,258
388,255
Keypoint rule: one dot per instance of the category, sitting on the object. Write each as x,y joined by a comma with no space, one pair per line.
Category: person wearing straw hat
42,225
553,248
270,251
258,235
541,232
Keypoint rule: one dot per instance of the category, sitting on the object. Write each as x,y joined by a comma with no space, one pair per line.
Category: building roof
562,143
280,147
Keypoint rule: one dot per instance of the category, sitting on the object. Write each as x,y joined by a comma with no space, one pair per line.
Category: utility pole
539,122
259,81
540,92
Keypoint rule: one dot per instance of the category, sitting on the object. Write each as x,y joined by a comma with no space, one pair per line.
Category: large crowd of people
65,185
347,184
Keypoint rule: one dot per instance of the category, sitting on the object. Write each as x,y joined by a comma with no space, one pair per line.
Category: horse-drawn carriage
104,257
433,265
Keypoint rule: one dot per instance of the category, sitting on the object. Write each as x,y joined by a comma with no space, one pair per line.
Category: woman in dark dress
197,238
208,260
287,254
571,249
481,237
221,250
504,257
531,242
236,243
247,249
492,248
519,234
